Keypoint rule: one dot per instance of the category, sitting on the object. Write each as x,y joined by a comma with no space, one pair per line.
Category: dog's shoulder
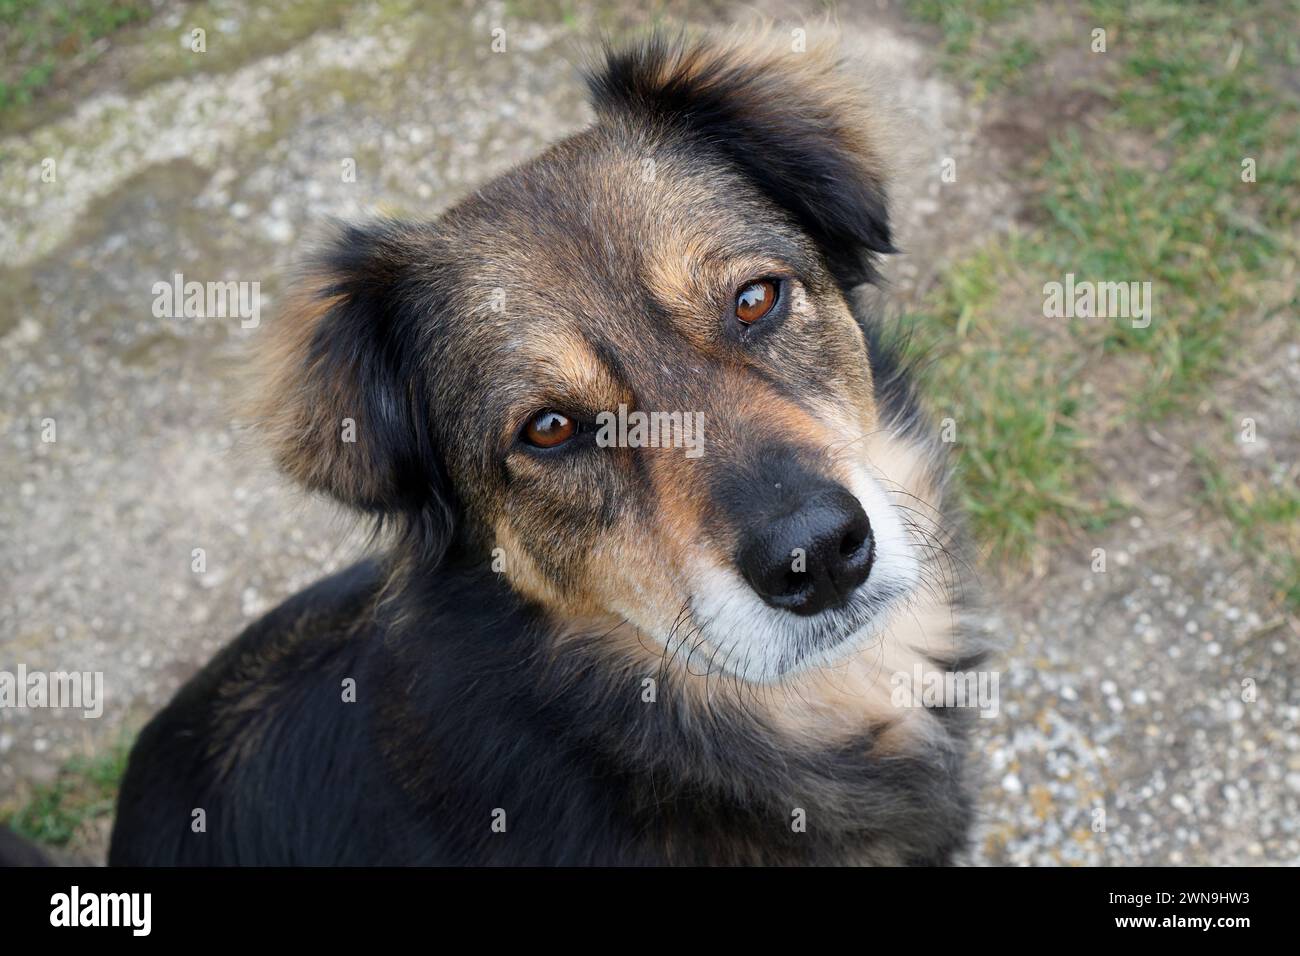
266,719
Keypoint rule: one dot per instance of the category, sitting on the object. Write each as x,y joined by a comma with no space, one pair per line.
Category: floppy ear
791,121
344,396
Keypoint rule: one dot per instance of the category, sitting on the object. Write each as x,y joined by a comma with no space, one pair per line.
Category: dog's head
627,370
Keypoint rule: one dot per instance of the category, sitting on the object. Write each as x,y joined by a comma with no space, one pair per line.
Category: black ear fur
353,345
790,121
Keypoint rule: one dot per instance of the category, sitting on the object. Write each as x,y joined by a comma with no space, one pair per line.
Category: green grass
1018,441
85,790
1179,215
39,36
1169,208
979,45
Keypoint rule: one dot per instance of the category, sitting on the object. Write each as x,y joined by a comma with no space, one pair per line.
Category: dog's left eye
755,300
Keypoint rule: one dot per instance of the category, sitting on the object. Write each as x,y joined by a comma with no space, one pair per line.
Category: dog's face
628,369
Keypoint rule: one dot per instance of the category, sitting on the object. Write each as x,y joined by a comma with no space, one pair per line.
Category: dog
580,645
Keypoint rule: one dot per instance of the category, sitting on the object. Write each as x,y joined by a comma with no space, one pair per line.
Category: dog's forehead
594,211
601,234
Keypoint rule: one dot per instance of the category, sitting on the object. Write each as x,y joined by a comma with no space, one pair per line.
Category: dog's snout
812,558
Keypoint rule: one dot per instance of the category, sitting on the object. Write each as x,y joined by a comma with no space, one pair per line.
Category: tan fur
826,705
301,412
689,248
812,81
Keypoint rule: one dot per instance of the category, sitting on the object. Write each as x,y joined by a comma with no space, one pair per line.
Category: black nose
812,558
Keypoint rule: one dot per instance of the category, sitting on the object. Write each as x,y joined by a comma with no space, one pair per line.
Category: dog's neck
728,756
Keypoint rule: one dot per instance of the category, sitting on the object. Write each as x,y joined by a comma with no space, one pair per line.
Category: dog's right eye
755,300
548,429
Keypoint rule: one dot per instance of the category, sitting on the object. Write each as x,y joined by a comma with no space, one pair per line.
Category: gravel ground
1122,692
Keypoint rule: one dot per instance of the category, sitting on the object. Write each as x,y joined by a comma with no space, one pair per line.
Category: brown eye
548,429
755,300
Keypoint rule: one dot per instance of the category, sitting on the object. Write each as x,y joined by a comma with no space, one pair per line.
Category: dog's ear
344,393
791,121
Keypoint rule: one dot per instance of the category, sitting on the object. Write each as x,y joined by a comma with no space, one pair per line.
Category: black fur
374,336
15,851
792,150
465,704
461,710
457,715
